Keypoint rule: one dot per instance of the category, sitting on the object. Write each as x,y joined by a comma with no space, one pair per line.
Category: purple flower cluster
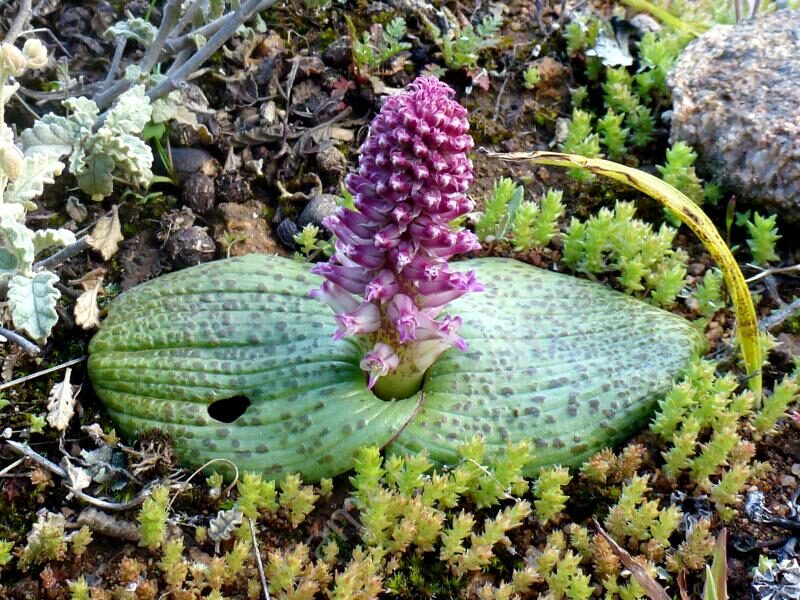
392,251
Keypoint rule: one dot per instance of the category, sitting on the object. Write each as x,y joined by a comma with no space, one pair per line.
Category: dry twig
29,347
19,23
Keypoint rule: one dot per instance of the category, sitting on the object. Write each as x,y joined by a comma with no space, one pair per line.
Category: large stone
736,95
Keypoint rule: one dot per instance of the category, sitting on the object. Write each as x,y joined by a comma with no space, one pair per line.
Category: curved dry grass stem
667,18
694,218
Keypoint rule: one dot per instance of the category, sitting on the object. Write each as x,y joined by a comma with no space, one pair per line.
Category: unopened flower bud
35,52
11,161
13,61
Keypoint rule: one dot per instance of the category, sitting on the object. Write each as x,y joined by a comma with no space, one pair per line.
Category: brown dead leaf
9,362
87,313
108,525
76,210
107,234
61,404
90,279
342,134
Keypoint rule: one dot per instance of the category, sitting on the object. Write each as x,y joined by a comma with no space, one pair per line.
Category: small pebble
697,269
796,469
189,247
198,193
332,163
188,161
339,53
788,481
320,206
233,188
285,232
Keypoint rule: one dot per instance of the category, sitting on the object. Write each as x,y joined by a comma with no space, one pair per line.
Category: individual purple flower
379,361
389,277
364,319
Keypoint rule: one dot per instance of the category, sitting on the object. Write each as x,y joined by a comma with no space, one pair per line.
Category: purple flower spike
389,278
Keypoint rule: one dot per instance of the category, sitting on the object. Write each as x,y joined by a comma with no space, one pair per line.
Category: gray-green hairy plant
96,158
31,292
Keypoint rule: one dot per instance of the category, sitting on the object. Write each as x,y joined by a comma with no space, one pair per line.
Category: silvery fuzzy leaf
45,238
133,73
14,212
166,108
37,170
32,301
77,160
83,112
94,176
16,247
61,404
6,135
130,113
132,156
52,134
213,10
136,29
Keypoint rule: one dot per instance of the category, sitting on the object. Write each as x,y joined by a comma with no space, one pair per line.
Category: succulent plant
236,361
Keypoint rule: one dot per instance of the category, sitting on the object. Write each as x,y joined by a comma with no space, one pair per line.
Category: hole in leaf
228,410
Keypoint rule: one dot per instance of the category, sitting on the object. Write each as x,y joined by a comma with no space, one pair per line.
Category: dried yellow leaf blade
694,218
107,234
663,15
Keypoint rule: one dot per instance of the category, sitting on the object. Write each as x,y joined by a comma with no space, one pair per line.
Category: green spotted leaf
235,361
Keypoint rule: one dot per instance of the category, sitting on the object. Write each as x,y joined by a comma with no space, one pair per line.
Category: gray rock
736,94
317,209
188,161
